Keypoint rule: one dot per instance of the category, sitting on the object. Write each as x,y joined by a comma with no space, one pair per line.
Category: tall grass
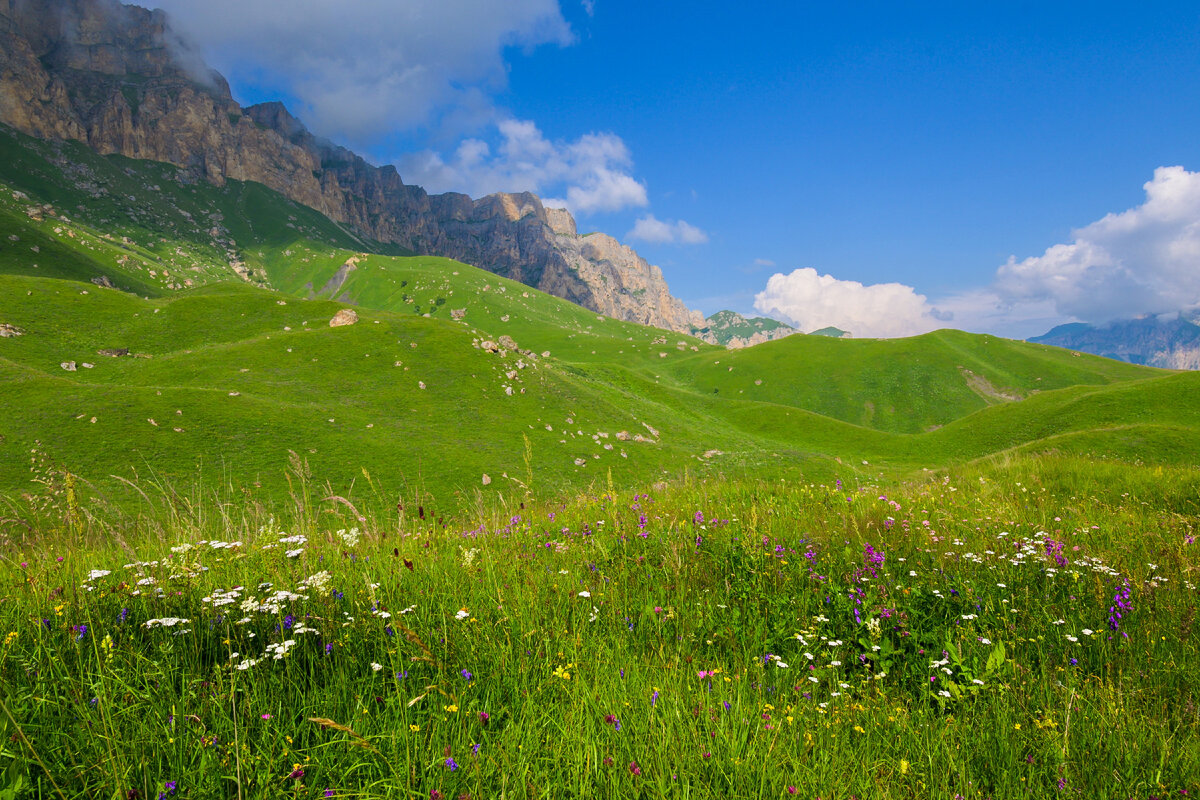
954,637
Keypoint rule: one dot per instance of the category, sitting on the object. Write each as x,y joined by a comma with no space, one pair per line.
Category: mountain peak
65,70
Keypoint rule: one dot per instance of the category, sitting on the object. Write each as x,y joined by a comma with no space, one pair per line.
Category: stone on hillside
486,479
458,313
113,352
347,316
8,331
69,366
507,342
489,345
103,281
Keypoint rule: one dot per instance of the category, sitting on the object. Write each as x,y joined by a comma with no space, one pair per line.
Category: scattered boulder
69,366
113,352
458,313
507,342
9,331
103,281
347,316
486,479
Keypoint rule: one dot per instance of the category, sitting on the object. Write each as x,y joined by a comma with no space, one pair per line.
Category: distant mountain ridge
730,329
1168,343
116,77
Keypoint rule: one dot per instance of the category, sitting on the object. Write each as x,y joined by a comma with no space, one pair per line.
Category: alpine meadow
313,484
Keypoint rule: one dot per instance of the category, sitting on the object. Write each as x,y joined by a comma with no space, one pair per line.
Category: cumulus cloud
810,301
371,67
1141,261
591,173
651,229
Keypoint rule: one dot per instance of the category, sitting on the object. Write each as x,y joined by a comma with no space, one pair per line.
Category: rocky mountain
730,329
1171,343
116,77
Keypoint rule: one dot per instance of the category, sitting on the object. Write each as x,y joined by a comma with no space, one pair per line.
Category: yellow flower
450,708
1017,727
10,638
414,728
903,766
859,728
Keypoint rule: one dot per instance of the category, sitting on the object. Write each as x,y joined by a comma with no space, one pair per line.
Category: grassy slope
798,403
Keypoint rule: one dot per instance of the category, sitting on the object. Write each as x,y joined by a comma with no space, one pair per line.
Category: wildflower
484,717
461,615
165,622
376,667
450,708
297,772
466,675
414,728
451,764
434,794
634,769
329,793
267,716
475,748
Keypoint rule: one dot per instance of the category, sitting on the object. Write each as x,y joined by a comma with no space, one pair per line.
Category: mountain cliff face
116,77
1170,344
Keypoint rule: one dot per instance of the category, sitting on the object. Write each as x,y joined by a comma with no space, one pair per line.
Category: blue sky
880,160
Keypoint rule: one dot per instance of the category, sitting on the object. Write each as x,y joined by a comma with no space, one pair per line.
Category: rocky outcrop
345,316
116,77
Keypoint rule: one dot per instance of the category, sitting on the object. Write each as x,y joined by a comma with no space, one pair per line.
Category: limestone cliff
116,77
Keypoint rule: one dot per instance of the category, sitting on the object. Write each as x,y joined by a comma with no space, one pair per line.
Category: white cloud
1143,260
591,172
763,262
368,68
809,301
651,229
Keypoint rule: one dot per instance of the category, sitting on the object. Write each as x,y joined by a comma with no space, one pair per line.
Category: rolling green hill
223,297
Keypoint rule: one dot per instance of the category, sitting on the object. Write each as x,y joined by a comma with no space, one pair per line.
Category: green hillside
223,297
